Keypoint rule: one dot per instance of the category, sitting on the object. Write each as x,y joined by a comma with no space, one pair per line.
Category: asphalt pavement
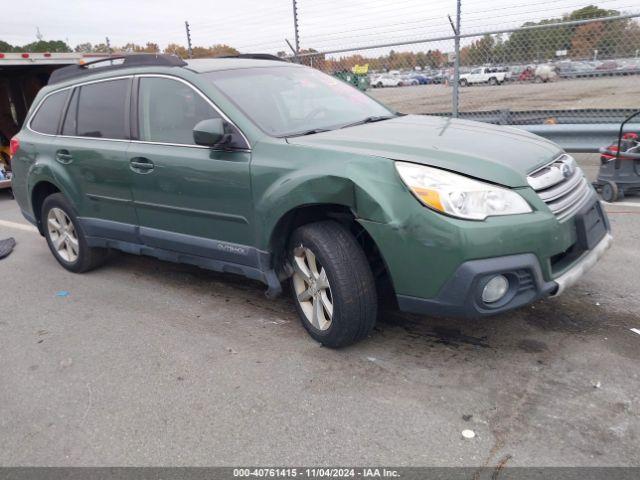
144,362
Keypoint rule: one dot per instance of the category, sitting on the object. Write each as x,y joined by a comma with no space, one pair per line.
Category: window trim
133,120
72,87
202,95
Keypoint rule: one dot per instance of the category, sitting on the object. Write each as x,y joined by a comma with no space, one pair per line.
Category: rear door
188,198
92,147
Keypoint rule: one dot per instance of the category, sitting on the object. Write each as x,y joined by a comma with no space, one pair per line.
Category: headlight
458,195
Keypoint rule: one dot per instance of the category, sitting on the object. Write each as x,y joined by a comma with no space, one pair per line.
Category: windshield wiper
375,118
309,132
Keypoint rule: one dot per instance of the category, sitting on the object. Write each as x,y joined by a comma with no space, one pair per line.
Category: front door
188,198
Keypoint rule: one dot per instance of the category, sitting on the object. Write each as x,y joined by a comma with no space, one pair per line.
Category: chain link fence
492,63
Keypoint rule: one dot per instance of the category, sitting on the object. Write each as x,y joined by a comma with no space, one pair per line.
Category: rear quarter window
47,117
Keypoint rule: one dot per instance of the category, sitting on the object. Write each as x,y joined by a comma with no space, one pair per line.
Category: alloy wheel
62,234
312,289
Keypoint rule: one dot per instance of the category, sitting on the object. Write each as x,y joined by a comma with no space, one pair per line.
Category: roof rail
123,61
256,56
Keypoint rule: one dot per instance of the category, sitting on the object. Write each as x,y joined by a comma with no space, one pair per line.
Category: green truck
285,175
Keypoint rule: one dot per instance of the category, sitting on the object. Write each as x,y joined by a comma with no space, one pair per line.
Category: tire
74,254
464,82
493,81
379,84
610,192
538,79
350,290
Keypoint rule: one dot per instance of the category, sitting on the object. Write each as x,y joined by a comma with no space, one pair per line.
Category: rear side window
102,110
48,115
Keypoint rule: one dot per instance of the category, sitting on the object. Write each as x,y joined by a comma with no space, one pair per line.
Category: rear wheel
493,81
610,192
463,82
332,284
65,237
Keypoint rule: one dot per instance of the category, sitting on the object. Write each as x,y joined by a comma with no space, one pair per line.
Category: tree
175,49
83,48
57,46
586,39
5,47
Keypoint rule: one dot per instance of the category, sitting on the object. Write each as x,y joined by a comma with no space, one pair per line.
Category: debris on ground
467,417
468,434
66,363
6,247
635,330
596,384
62,293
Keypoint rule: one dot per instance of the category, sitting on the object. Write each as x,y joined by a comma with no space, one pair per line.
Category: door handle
63,156
141,165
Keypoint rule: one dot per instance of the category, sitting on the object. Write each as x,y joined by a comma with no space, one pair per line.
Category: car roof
114,65
203,65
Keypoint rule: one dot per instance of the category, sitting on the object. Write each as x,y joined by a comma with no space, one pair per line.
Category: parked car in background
439,77
572,69
386,80
409,80
545,73
489,75
630,67
608,66
421,78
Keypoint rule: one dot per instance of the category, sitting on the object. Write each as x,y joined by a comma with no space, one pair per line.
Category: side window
70,125
48,115
168,110
102,109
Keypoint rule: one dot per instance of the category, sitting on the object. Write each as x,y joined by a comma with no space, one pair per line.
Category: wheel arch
348,218
41,190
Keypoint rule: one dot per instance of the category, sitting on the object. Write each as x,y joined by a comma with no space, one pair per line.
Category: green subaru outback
278,172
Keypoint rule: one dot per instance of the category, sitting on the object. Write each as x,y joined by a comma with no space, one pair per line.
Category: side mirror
209,132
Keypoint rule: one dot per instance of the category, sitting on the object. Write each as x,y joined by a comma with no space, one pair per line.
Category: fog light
495,289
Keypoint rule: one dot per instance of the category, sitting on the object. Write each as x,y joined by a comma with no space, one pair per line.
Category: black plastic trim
180,248
134,60
459,296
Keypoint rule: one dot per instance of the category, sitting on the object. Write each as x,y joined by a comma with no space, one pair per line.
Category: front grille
562,186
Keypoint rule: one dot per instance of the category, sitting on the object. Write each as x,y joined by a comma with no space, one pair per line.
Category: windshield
286,101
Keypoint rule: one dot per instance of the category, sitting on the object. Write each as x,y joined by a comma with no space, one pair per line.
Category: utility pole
296,40
186,26
456,63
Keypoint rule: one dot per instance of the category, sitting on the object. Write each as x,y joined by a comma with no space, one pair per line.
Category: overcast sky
252,25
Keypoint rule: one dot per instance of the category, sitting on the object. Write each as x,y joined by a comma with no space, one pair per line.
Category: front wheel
493,81
332,285
65,237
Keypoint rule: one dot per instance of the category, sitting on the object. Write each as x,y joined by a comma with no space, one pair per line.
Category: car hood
496,154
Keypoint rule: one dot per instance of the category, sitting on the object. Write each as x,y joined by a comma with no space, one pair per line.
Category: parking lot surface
605,92
143,362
